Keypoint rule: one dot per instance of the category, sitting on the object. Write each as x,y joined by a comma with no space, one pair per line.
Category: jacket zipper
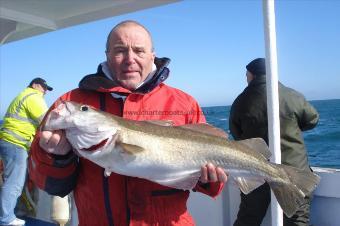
107,199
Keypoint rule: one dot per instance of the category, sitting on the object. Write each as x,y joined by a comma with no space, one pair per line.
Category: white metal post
272,98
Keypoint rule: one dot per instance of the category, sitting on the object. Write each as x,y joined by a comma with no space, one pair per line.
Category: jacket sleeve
36,107
234,127
55,174
197,115
309,117
212,189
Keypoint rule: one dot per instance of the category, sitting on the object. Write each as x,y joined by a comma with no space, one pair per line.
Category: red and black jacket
117,199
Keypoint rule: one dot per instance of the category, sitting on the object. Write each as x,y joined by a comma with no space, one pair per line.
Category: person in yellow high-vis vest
22,118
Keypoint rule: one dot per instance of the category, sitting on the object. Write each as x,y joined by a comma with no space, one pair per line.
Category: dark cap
257,67
41,82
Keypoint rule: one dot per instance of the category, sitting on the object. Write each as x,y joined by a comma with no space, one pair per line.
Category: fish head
70,114
59,118
85,126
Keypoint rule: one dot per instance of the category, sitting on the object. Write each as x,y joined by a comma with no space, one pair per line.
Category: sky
209,44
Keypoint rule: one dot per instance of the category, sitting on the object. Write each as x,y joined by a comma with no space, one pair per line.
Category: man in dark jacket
248,119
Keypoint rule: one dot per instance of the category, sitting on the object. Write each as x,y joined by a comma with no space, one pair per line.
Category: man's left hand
211,173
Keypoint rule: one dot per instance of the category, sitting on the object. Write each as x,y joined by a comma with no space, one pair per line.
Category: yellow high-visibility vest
23,117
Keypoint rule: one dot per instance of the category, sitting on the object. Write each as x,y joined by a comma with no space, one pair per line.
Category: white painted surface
325,209
219,212
272,98
23,19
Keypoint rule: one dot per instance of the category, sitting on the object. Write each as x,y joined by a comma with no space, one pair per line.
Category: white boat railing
272,98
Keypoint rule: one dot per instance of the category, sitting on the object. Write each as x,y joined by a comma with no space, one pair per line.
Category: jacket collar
260,80
257,81
100,83
32,90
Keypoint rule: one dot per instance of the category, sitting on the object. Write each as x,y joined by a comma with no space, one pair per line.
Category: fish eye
84,108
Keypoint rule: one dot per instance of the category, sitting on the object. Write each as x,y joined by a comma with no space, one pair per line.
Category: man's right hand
55,142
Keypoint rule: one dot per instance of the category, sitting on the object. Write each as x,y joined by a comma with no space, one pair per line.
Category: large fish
173,155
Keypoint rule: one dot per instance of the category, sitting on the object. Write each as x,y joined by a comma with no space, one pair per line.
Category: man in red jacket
129,84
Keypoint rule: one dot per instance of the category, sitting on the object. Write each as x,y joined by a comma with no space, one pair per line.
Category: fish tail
290,194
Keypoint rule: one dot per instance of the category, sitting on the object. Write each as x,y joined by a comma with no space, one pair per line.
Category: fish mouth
96,146
56,118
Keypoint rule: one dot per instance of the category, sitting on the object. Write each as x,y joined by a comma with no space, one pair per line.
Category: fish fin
130,148
290,195
161,122
184,182
207,129
259,145
247,185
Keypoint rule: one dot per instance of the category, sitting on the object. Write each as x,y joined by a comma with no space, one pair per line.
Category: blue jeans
15,166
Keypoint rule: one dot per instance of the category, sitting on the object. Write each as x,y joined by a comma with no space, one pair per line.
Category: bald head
129,54
127,23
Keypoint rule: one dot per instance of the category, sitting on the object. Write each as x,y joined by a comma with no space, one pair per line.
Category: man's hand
54,142
210,173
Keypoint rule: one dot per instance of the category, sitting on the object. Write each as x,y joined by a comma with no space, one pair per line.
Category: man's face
130,56
250,77
39,87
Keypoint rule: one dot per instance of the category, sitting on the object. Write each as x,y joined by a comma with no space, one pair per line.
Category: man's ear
153,56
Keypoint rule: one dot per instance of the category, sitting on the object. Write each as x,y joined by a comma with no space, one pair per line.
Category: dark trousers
253,208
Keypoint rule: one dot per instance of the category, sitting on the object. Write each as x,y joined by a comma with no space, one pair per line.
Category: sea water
322,142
